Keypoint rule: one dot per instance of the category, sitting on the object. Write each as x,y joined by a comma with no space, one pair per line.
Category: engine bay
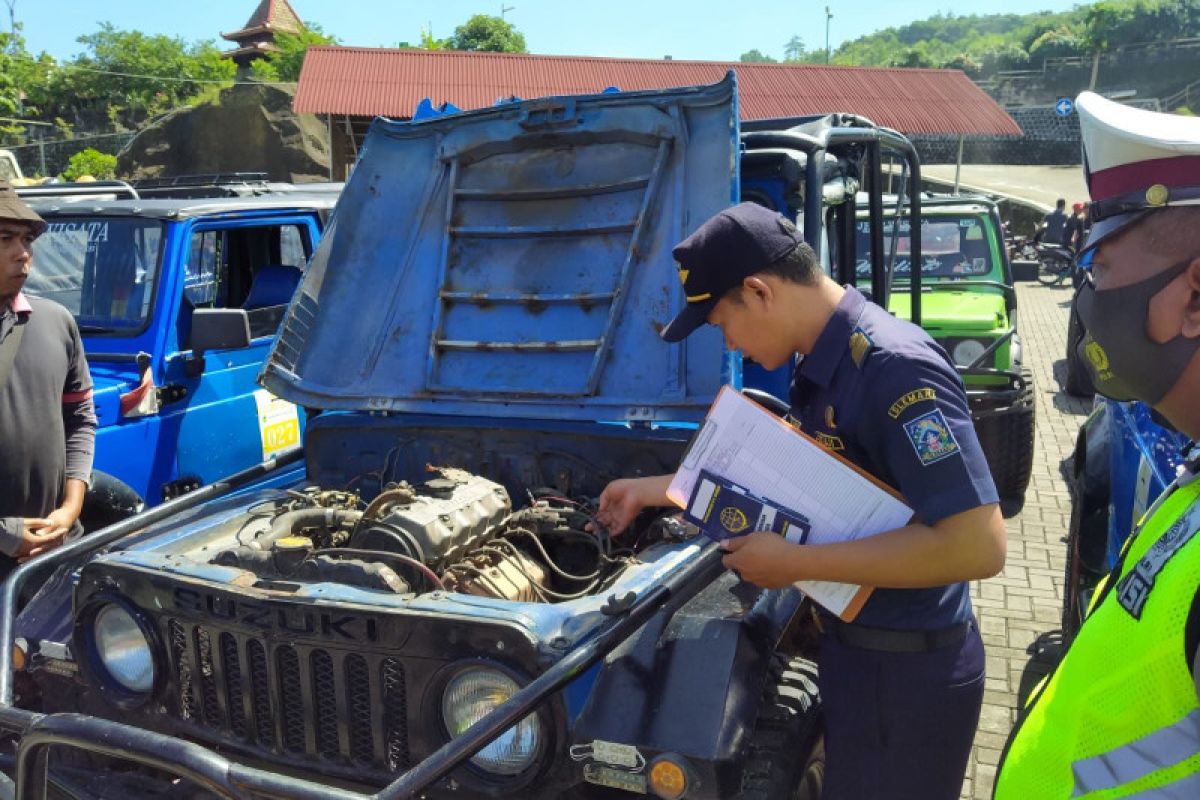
456,531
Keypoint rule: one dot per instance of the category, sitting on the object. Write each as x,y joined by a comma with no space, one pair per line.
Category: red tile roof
369,82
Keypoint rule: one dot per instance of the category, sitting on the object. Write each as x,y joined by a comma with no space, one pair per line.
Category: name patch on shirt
829,441
910,399
931,437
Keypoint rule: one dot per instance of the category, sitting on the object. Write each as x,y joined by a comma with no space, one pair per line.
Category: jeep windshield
101,268
952,248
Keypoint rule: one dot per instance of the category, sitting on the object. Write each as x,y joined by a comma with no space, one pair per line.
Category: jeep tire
1007,441
1079,378
786,755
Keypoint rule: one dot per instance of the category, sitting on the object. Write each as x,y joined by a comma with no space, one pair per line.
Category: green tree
794,49
756,56
100,166
125,77
430,43
485,32
284,64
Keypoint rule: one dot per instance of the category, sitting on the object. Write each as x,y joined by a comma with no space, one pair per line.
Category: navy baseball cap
727,248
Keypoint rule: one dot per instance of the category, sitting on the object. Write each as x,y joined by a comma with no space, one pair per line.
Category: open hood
516,261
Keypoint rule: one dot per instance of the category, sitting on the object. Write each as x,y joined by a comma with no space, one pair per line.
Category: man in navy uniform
902,685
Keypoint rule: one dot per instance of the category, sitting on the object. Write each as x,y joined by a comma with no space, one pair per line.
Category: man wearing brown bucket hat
47,420
1120,715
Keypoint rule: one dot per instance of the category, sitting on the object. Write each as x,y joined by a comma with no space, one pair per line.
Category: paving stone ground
1019,610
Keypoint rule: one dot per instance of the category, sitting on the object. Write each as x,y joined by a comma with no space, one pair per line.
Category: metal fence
50,157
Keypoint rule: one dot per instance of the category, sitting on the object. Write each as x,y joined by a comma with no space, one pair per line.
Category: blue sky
684,29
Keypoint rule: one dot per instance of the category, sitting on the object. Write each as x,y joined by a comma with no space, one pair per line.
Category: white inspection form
747,445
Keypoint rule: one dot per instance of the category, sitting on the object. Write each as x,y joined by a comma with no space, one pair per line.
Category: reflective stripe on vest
1158,750
1186,789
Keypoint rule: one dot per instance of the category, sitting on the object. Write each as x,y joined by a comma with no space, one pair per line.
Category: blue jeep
425,610
1123,460
178,302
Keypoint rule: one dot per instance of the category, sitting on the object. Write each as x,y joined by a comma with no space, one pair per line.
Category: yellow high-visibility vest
1119,716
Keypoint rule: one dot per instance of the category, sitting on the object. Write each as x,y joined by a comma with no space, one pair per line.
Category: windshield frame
153,271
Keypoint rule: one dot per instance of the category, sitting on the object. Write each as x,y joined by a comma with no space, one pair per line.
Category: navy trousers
899,725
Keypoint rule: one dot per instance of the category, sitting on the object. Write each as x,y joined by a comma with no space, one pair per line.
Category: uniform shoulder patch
909,399
860,345
931,437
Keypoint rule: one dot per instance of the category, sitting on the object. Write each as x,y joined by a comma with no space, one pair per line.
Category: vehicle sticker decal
278,423
910,399
931,437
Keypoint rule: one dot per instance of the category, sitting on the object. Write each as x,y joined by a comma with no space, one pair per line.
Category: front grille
291,700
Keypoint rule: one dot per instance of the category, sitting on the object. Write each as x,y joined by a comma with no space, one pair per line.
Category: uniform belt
894,641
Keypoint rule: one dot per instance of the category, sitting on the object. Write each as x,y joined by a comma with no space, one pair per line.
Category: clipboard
746,445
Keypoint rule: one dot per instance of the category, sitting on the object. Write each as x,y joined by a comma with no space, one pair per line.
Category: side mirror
217,329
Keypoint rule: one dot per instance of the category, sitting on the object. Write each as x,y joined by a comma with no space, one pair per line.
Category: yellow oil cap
293,543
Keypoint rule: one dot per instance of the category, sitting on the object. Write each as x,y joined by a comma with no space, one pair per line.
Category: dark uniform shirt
47,420
1056,223
881,393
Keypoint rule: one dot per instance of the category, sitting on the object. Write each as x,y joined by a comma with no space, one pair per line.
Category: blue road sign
1064,107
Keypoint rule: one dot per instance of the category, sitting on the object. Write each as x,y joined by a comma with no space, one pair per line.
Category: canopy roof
371,82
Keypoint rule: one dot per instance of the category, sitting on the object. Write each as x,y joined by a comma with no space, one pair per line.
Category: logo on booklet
931,437
733,519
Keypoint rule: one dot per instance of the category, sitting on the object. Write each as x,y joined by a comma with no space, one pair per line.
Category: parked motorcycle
1057,263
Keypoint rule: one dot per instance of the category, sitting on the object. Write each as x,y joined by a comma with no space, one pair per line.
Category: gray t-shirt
47,419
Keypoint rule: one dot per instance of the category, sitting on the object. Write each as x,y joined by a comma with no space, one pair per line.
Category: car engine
456,531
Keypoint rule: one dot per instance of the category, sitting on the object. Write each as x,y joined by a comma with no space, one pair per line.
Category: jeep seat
271,290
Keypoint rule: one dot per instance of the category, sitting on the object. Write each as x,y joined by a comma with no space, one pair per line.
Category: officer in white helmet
1120,715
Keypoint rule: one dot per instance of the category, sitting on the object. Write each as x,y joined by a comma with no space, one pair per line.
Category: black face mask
1125,363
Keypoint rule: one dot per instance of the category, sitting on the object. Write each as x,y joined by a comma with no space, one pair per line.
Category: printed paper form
747,445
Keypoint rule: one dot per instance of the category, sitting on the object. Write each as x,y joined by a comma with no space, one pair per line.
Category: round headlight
472,694
966,351
123,649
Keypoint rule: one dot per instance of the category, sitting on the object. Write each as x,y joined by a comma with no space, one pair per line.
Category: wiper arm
94,329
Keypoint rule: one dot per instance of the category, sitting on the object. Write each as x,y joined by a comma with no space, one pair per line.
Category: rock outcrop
250,128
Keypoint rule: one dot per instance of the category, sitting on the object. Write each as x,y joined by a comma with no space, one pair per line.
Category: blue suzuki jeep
425,613
177,302
1124,458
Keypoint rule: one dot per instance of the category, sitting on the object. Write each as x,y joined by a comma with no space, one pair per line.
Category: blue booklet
722,510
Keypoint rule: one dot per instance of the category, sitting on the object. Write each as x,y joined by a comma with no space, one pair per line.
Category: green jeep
969,306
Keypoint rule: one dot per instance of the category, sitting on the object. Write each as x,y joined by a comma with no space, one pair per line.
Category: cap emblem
1157,195
683,275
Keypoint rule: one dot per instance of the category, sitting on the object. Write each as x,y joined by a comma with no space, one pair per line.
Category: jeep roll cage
857,145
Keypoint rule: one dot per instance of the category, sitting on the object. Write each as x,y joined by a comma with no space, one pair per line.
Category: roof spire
257,37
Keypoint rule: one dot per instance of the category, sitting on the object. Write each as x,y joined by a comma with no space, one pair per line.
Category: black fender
108,500
692,684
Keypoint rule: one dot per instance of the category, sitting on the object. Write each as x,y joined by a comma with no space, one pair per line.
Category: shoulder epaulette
860,346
